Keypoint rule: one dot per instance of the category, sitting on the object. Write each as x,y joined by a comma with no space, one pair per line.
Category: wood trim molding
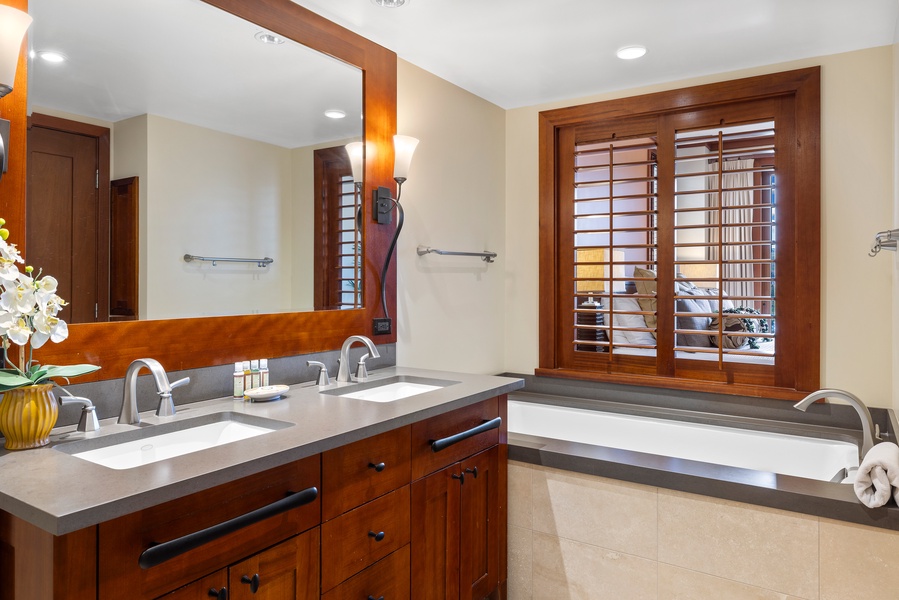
190,343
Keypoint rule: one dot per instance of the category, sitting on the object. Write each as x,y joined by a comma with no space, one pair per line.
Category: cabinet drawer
363,536
123,541
426,458
387,578
359,472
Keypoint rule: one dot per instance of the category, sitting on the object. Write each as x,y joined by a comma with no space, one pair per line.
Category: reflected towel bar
260,262
485,256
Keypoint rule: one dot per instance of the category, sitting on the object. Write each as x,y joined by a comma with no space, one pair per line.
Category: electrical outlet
381,326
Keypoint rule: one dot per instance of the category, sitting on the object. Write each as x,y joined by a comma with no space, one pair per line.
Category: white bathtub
809,457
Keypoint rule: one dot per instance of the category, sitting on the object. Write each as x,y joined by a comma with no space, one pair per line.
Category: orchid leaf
10,379
68,370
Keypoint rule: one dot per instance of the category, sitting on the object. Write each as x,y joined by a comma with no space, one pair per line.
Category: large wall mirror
225,148
225,141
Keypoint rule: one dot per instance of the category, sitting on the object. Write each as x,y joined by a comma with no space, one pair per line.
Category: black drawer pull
377,467
473,471
160,553
460,477
253,582
221,594
378,536
438,445
378,598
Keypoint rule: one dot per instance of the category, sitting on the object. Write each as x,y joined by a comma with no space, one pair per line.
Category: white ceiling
524,52
191,62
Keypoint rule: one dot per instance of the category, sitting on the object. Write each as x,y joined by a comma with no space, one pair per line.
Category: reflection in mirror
218,146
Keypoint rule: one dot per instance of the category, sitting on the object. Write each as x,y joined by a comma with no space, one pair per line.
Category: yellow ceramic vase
27,415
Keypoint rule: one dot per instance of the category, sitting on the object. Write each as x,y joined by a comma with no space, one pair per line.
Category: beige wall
451,308
580,536
857,197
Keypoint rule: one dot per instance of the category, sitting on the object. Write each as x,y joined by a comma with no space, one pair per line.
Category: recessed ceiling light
335,114
631,52
389,3
269,38
51,56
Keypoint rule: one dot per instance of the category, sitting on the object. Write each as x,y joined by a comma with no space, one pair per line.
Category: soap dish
266,393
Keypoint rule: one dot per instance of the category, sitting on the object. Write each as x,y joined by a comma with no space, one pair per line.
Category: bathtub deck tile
754,545
611,514
858,561
577,571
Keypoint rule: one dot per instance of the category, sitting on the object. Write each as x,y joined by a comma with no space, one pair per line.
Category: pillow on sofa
647,304
620,336
699,303
733,325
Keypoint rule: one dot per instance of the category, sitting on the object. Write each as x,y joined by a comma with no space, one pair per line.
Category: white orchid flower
9,252
20,300
47,285
19,332
8,271
48,327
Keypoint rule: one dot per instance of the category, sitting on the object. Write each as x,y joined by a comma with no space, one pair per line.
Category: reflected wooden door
67,224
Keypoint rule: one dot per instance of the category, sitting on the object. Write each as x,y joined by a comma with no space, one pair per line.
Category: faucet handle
323,378
361,370
179,383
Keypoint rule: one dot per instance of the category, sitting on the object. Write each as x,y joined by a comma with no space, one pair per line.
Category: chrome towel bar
260,262
885,240
486,256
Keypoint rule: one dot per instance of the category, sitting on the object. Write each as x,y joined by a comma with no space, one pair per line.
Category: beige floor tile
858,561
602,512
521,565
682,584
569,570
520,505
762,547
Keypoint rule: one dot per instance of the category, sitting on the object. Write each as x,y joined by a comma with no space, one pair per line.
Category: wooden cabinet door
211,586
435,535
479,525
288,571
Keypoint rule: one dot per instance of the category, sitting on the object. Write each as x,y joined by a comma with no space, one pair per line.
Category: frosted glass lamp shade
357,160
597,278
404,148
13,25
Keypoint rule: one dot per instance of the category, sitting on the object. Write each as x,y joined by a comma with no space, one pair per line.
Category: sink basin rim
374,384
143,433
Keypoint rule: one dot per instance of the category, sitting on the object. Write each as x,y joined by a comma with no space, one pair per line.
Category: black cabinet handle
253,581
460,477
378,598
160,553
221,594
473,471
438,445
377,466
378,536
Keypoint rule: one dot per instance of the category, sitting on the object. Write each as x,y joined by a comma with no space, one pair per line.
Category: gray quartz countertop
61,493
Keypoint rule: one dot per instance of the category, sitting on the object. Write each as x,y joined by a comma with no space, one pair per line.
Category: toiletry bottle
247,380
254,373
238,380
263,372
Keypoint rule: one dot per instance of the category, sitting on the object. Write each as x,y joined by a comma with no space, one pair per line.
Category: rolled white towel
878,476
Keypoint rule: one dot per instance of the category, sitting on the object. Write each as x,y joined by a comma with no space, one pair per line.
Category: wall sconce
13,25
404,148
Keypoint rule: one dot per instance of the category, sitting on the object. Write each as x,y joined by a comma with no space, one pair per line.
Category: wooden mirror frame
198,342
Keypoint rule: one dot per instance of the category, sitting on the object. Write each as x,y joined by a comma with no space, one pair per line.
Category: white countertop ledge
61,493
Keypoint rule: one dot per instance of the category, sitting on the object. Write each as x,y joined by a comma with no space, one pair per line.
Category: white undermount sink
159,442
390,389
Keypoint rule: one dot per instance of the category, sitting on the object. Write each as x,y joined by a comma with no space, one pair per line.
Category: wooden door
66,224
479,525
124,209
435,535
211,586
288,571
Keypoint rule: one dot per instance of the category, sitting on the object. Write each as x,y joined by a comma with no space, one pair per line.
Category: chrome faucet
343,369
166,408
870,433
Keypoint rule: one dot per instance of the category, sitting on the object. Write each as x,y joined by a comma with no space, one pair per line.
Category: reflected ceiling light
51,56
335,114
269,38
389,3
631,52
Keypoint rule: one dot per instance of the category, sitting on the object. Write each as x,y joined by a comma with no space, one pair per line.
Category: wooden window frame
797,359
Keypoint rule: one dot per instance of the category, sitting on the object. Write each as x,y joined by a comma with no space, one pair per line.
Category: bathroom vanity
354,499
